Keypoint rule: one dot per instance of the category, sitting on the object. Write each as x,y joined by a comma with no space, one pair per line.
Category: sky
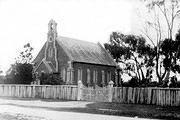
26,21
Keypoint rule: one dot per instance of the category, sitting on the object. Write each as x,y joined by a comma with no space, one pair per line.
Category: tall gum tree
133,53
161,26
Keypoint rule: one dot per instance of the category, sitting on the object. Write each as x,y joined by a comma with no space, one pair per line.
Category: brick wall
92,67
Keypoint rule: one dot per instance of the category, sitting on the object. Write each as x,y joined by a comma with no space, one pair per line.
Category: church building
75,60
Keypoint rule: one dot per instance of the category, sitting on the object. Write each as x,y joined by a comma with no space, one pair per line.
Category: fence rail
155,96
127,95
66,92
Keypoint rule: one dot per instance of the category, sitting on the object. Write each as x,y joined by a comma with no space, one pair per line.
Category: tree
21,71
26,55
164,13
172,55
134,53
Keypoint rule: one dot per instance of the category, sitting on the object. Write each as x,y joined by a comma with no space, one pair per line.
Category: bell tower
52,30
51,50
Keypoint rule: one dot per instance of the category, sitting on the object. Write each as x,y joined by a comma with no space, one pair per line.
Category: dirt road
15,109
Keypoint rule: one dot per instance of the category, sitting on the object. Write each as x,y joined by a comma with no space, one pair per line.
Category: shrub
144,83
178,84
21,73
173,82
133,82
51,79
153,84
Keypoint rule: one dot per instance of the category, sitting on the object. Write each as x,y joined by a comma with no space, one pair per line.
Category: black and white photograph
89,59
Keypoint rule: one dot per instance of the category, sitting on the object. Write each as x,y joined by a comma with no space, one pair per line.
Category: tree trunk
157,68
167,75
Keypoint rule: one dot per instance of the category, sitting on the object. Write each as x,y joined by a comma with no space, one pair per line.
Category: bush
178,84
144,83
51,79
173,82
133,82
153,84
21,73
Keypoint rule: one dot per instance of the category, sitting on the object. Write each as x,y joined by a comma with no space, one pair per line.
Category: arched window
88,76
103,77
50,38
50,52
63,74
95,76
108,76
79,74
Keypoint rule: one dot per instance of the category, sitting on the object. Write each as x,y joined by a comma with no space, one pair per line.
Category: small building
74,59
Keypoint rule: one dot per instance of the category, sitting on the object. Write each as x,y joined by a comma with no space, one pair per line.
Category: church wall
42,68
92,67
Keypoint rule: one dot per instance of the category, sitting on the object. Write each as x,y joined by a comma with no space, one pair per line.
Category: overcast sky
23,21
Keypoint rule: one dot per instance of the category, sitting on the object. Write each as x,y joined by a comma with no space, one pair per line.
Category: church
74,59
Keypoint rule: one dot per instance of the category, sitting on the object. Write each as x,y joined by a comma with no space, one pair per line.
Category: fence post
79,90
110,86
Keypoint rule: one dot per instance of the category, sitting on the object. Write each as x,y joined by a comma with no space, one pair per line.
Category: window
108,76
50,52
103,77
88,76
79,74
95,75
50,38
63,74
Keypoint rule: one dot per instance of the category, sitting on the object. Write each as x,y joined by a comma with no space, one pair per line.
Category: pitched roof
40,55
87,52
79,51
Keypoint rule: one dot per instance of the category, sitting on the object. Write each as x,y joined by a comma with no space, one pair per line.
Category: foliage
173,82
159,30
171,55
20,74
134,82
25,55
51,79
21,71
139,58
134,53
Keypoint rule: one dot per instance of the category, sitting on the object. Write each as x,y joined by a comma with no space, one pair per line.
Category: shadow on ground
34,99
128,110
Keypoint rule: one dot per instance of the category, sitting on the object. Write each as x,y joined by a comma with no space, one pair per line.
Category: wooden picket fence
95,95
126,95
153,96
66,92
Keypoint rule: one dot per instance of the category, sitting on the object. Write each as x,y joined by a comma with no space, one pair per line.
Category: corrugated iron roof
80,51
87,52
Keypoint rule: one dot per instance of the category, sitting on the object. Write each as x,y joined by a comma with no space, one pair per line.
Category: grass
107,108
135,110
